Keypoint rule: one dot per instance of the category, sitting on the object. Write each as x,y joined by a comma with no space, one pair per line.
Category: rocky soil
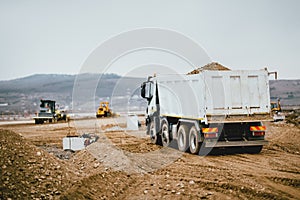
125,165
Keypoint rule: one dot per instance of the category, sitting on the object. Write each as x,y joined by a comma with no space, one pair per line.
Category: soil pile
28,172
104,185
285,137
294,118
214,66
102,170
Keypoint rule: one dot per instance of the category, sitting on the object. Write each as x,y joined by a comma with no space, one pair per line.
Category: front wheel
194,141
183,138
165,136
154,136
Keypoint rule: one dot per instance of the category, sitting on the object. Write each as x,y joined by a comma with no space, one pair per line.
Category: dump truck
208,109
49,113
103,110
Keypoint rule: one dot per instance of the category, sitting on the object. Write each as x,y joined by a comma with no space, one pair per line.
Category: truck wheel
194,138
165,137
154,137
64,117
36,121
183,140
253,149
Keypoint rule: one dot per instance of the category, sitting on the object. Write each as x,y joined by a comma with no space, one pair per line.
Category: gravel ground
125,165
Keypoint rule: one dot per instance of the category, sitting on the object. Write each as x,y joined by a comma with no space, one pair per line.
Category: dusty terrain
125,165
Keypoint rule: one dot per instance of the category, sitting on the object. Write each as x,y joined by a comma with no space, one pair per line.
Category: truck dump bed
233,95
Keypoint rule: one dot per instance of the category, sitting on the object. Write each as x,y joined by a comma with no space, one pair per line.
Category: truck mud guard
194,122
235,143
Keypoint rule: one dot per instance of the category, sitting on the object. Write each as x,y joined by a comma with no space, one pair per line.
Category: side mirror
146,90
143,90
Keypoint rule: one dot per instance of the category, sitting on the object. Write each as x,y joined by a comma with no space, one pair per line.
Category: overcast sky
58,36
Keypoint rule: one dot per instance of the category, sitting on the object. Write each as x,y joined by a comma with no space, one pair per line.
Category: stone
191,182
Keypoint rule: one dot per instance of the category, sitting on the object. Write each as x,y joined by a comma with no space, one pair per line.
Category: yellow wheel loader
103,110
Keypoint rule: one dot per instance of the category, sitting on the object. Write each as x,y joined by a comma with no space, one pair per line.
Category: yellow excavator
276,110
275,106
103,110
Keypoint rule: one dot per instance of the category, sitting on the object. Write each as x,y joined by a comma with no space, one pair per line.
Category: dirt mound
28,172
132,144
284,137
293,118
85,164
105,185
214,66
124,165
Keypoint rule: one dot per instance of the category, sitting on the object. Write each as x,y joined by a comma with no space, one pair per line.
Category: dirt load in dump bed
214,66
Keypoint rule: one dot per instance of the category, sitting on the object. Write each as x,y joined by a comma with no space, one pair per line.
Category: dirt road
125,165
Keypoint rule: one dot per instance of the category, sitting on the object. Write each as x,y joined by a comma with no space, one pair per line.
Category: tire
183,139
154,136
165,135
193,140
36,121
64,117
253,149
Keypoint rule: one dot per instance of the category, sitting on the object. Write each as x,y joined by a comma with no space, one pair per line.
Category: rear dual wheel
188,139
183,138
253,149
194,140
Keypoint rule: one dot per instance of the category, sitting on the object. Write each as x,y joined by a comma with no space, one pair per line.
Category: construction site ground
125,165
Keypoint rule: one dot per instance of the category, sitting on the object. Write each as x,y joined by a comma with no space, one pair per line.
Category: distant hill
47,83
287,90
23,95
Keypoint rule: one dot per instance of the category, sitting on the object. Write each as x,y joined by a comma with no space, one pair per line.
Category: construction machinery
49,113
103,110
276,111
275,106
208,109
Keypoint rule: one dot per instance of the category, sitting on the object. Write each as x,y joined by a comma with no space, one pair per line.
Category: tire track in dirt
245,163
260,168
145,171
